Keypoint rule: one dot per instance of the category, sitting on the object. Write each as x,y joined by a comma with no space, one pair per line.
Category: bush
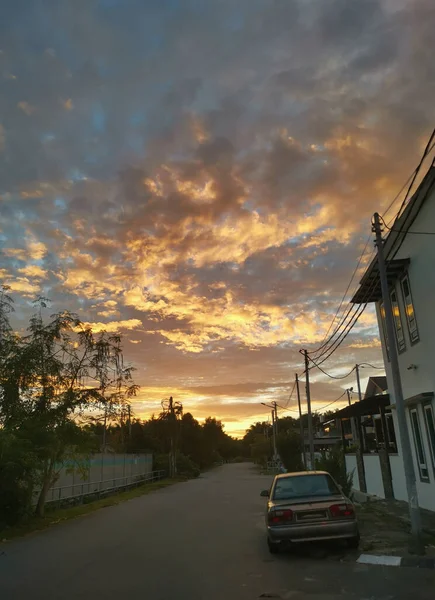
185,466
17,474
334,463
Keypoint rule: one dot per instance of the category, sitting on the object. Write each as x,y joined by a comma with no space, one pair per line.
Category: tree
50,378
289,450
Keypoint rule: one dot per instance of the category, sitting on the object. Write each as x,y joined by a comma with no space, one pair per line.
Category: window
430,430
419,448
301,486
409,310
384,328
391,432
400,337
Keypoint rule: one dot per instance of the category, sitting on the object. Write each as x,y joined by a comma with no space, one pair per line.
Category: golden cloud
33,271
114,326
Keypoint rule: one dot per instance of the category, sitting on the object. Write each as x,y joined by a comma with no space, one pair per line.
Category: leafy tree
289,450
50,378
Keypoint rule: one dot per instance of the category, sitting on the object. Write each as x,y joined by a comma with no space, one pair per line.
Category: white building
410,252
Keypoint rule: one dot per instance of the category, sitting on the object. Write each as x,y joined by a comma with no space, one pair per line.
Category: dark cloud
211,169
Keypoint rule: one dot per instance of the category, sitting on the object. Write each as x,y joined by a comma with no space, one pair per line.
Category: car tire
353,542
273,547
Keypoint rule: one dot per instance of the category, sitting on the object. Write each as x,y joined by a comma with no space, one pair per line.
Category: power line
354,318
345,293
289,409
331,376
369,365
344,334
403,231
291,394
333,402
427,150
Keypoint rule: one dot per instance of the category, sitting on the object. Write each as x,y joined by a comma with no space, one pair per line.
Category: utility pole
274,413
301,425
408,465
274,434
348,397
358,382
172,421
129,420
310,416
276,418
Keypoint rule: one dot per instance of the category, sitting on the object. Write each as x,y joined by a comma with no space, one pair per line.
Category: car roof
300,473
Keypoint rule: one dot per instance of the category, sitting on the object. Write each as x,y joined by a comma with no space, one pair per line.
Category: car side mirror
265,493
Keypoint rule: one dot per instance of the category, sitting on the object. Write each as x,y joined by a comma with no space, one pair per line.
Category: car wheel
273,547
354,541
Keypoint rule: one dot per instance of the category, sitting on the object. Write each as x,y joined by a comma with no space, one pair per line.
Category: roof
376,385
370,288
299,473
367,406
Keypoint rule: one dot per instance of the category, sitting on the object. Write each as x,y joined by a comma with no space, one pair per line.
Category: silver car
308,506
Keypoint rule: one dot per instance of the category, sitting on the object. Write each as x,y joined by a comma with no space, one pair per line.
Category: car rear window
301,486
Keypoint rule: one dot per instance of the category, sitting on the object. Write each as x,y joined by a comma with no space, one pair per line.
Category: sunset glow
201,179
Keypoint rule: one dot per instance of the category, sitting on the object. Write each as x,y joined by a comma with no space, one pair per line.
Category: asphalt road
199,540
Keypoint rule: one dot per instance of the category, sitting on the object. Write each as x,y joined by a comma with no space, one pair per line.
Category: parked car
308,506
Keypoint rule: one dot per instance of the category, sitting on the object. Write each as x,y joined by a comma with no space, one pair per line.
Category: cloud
211,197
114,326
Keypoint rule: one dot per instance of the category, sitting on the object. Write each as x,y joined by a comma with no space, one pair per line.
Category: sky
200,176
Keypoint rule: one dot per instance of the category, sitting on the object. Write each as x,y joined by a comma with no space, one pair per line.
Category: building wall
420,249
425,489
373,473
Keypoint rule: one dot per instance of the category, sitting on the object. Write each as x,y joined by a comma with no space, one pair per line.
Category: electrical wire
429,147
331,376
344,295
289,409
412,232
291,394
333,402
338,342
427,150
364,364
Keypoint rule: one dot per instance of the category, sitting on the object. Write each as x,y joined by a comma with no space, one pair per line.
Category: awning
417,399
370,285
368,406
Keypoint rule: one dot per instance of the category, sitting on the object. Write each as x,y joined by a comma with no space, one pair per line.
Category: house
410,255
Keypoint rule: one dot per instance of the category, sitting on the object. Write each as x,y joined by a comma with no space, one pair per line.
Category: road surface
199,540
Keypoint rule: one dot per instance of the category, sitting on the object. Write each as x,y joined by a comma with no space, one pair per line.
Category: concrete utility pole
301,425
358,382
276,417
274,434
348,396
411,486
129,420
310,416
274,413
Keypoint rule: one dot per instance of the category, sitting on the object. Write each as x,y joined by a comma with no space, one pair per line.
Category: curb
419,562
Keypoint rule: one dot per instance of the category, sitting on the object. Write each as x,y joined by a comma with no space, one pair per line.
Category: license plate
312,515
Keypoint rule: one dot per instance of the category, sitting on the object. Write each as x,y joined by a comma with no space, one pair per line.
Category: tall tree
50,378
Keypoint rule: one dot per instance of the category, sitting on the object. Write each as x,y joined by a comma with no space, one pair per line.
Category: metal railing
99,489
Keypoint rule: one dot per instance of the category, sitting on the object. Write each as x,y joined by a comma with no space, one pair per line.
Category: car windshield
301,486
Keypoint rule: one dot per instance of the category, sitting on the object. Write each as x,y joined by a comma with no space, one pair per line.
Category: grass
55,516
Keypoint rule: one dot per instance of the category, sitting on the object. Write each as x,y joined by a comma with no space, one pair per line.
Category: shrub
289,450
334,463
185,466
17,474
